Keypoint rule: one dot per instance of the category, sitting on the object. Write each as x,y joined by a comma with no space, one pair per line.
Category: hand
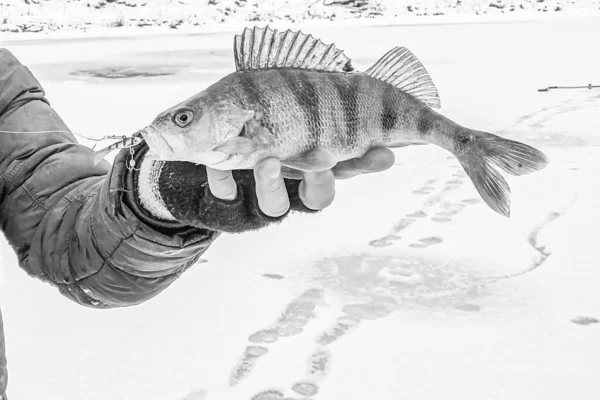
317,189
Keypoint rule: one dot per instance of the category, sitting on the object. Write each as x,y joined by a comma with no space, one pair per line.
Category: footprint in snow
584,320
374,310
467,307
384,241
403,224
426,242
264,336
319,362
471,201
446,213
418,214
454,182
294,318
424,190
413,217
197,395
449,210
273,276
271,394
344,325
246,363
318,368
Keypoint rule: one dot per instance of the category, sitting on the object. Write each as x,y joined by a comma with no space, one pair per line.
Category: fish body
343,114
298,100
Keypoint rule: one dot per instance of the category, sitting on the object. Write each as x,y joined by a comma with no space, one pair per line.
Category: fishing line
589,86
131,165
116,137
40,132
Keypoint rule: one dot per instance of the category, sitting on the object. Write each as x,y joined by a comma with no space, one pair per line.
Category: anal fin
313,160
406,144
291,173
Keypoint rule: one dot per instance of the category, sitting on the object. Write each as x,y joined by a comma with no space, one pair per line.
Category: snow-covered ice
406,287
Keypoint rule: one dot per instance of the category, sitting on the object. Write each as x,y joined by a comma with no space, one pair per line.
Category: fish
123,143
297,99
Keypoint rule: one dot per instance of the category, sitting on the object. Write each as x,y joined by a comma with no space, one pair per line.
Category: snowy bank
44,16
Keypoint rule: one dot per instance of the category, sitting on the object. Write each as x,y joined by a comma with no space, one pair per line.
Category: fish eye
183,118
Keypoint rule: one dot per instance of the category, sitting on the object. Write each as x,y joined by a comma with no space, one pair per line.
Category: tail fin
488,150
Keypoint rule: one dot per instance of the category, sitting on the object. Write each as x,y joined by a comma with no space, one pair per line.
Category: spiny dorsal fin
401,68
260,48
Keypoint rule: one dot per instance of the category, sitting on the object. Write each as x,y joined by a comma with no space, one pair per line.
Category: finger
221,184
317,189
270,188
375,160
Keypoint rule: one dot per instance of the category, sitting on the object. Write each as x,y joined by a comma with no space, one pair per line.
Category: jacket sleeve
3,371
69,220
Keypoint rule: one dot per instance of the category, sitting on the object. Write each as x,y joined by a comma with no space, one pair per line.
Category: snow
65,17
388,293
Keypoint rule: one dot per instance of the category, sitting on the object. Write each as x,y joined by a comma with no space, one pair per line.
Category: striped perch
297,99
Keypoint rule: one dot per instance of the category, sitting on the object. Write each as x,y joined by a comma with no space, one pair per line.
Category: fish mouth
164,139
152,137
147,134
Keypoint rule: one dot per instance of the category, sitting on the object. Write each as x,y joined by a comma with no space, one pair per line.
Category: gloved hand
241,200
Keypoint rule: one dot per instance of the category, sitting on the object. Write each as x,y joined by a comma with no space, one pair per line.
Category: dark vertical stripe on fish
347,89
389,112
424,121
256,99
251,91
307,97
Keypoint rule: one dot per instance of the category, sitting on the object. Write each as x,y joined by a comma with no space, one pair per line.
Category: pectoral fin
238,145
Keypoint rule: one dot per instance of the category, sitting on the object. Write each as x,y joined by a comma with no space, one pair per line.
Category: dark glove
179,191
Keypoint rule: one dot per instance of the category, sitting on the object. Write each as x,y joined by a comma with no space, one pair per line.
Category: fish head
193,129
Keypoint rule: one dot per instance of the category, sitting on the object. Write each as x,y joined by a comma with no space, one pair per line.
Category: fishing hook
131,163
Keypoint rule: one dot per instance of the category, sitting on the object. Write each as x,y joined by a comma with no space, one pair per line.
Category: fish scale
294,98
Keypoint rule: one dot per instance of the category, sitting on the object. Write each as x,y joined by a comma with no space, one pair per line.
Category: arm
3,372
68,219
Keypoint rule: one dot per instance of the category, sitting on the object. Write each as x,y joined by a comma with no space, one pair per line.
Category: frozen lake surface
408,286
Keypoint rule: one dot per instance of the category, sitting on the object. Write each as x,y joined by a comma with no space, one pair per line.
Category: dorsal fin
401,68
260,48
